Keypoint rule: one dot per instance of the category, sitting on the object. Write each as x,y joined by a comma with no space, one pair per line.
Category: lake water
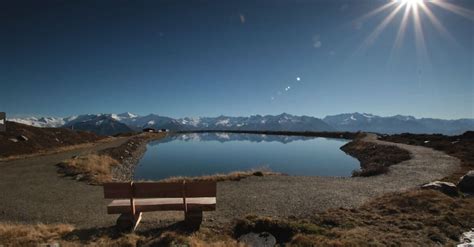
210,153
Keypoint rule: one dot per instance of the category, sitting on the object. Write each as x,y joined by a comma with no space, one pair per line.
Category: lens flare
414,11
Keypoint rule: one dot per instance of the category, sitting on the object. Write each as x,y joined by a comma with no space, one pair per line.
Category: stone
263,239
22,138
13,139
466,183
447,188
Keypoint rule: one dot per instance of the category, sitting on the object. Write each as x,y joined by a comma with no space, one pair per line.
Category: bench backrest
160,190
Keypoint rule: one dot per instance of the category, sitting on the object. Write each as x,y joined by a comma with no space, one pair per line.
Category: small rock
22,138
79,177
466,183
447,188
262,239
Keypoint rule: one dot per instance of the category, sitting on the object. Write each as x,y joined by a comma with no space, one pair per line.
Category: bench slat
162,204
158,190
117,191
201,189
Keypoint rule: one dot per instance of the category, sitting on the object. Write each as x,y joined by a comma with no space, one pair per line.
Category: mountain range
111,124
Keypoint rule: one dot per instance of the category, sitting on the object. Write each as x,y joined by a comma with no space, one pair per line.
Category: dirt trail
33,191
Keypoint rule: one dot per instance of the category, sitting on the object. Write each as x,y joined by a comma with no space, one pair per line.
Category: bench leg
128,222
193,218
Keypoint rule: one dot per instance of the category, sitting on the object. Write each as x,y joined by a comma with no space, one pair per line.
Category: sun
414,11
410,2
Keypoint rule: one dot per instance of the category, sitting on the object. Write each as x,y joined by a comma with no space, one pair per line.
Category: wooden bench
134,198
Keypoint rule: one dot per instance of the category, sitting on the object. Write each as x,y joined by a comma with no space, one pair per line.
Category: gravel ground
32,191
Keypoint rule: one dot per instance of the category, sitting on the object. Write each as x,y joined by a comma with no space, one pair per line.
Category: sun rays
415,12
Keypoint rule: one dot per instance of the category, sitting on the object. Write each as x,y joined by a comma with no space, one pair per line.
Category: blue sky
207,58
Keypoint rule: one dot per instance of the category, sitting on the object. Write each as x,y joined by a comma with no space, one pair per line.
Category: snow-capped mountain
282,122
43,122
154,121
101,124
110,124
123,117
397,124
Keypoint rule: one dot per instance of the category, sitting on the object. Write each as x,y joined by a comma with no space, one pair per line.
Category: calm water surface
210,153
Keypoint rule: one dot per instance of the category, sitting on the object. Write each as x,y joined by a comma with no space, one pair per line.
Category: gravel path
32,191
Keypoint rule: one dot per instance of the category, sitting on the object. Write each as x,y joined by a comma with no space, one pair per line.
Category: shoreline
129,154
134,149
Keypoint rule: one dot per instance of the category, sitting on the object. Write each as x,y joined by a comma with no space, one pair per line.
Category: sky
236,58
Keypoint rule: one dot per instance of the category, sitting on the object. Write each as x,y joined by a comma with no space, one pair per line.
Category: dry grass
95,169
13,234
32,235
233,176
61,234
413,218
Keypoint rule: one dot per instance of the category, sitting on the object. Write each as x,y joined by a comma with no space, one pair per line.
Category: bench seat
162,204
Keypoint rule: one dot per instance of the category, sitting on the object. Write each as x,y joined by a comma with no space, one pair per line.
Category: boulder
466,183
447,188
467,239
263,239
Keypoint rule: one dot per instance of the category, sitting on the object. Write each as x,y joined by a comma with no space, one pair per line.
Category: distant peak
128,115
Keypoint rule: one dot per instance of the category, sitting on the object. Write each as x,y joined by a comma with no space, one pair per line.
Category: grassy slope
39,139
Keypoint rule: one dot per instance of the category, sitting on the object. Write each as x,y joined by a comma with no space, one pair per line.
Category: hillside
24,139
